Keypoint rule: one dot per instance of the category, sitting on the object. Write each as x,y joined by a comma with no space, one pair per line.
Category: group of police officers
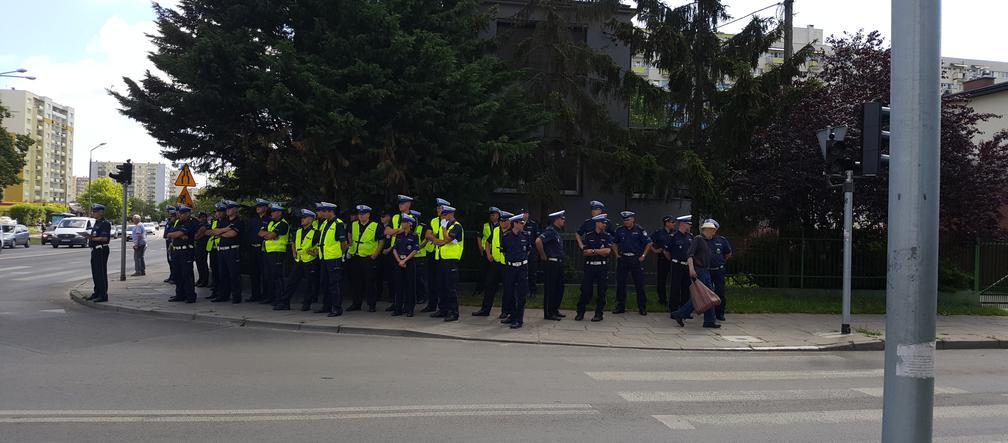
420,260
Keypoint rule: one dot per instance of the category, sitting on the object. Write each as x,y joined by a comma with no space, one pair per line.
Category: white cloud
119,49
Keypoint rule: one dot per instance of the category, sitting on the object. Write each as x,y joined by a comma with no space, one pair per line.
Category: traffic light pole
848,230
122,263
911,296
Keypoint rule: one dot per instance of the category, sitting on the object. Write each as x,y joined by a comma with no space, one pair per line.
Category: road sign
184,197
185,177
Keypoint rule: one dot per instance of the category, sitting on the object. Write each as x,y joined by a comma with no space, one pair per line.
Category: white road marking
249,415
54,311
14,268
730,375
672,358
877,392
687,422
742,339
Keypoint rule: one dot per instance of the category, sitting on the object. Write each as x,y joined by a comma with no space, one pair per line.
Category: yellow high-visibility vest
449,251
303,242
495,245
423,244
280,243
362,242
214,239
331,248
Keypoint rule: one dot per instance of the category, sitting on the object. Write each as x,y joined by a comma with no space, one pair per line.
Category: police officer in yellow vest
449,244
492,222
332,245
211,248
434,288
305,254
421,257
275,235
495,269
366,242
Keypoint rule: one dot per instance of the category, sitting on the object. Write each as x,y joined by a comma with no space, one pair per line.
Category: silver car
14,235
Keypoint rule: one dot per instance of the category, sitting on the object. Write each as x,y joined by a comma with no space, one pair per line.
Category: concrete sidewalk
749,332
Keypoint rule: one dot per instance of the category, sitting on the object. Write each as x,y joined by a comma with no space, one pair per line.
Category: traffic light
125,174
874,136
836,150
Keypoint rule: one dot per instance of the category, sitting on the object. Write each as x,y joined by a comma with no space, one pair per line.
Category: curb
876,345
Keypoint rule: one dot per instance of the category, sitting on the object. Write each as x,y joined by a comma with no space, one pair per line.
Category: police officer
434,288
305,254
202,238
720,251
169,224
183,236
366,242
516,244
596,247
551,254
588,225
230,232
255,255
494,253
632,244
407,244
384,263
211,248
532,228
392,228
663,265
449,242
678,249
98,240
275,236
493,219
420,259
332,247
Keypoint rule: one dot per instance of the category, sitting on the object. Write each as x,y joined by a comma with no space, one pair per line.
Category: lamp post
15,74
89,178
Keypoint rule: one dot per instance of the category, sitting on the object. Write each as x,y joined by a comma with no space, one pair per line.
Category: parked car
150,227
116,231
70,231
14,235
47,234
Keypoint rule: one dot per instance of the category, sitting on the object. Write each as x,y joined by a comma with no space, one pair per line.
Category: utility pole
848,232
911,296
122,262
788,29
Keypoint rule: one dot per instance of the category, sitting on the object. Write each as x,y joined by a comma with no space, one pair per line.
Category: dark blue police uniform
632,243
516,248
229,259
308,271
183,255
719,249
403,279
678,247
256,256
99,259
331,269
596,273
553,269
663,266
274,280
532,229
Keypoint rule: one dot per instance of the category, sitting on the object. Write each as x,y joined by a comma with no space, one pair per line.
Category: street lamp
89,167
15,72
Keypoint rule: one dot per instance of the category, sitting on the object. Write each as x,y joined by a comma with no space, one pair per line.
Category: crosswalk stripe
730,375
687,422
769,395
702,359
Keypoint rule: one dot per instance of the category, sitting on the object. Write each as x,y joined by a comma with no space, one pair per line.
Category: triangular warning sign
185,178
184,197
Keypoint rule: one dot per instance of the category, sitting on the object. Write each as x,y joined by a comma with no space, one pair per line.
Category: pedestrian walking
663,259
632,244
551,254
183,236
98,240
367,239
450,243
275,236
494,277
139,235
516,244
721,251
595,247
699,269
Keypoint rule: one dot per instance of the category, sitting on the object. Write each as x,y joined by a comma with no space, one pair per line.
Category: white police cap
558,214
627,214
362,209
442,202
595,204
517,218
601,218
447,209
685,219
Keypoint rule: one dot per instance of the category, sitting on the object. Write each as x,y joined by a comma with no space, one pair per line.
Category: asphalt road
70,373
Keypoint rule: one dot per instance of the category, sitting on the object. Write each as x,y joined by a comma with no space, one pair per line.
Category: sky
79,48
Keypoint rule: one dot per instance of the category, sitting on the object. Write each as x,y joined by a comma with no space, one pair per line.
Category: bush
951,278
27,213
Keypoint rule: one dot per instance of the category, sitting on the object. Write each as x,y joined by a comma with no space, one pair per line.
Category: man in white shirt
139,246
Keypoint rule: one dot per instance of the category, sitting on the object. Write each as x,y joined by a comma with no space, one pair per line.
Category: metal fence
817,263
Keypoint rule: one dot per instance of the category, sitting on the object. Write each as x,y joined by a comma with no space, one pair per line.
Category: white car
149,227
70,231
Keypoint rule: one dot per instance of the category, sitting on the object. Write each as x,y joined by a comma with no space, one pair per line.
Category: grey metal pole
911,297
848,232
122,264
788,29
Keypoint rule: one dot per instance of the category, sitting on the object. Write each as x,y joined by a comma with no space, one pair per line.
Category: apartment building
48,169
152,182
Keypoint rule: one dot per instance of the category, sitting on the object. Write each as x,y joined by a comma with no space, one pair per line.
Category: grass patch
868,332
768,301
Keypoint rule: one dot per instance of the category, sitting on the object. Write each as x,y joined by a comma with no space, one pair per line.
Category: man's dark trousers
595,276
494,278
421,264
274,282
201,264
680,286
257,272
553,287
516,281
301,271
663,267
331,272
718,280
231,270
630,266
449,285
433,283
404,280
99,271
185,283
364,269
